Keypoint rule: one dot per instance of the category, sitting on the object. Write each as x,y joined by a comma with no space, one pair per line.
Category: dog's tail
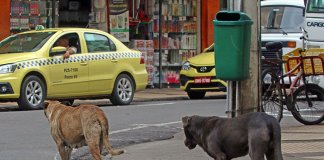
276,135
105,137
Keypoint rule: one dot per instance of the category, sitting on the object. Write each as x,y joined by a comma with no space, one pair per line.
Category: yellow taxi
33,68
198,75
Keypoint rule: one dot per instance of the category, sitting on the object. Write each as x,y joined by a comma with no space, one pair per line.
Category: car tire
32,93
123,91
196,95
68,102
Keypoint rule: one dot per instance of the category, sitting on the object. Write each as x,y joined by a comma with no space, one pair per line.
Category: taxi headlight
8,68
186,65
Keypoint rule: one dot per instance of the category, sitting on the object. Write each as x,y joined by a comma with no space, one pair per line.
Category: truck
282,20
314,24
314,29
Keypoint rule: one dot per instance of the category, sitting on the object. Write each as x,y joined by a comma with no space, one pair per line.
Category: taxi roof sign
39,27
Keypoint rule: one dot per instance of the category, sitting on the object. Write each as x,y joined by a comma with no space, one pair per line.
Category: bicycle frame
292,89
300,76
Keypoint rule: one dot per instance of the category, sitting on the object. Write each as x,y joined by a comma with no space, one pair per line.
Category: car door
102,55
69,76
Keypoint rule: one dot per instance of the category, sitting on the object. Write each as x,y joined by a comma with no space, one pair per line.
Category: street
26,135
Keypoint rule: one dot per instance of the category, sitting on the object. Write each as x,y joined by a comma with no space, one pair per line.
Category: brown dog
74,127
225,138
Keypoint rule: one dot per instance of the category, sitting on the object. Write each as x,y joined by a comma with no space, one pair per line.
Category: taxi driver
64,42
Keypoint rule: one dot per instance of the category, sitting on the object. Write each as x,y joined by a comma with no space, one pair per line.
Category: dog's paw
117,152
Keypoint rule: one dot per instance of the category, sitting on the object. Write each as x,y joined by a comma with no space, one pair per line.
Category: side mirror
57,51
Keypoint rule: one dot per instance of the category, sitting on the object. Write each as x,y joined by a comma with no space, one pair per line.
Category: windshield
315,6
282,19
29,42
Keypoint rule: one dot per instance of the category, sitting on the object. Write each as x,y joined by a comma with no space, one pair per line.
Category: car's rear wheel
196,95
32,93
123,92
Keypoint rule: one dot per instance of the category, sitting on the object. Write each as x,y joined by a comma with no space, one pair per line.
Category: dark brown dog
74,127
225,138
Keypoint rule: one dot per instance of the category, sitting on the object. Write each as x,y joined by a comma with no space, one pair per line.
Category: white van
314,23
282,20
314,27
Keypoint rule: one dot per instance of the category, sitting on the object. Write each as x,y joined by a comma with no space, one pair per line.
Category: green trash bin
232,36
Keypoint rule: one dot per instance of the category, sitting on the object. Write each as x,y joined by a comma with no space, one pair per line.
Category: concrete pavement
174,149
299,142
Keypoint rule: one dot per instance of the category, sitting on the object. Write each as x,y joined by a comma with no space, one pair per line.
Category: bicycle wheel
272,103
309,114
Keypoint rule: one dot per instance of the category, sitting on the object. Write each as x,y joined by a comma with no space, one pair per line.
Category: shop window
27,14
178,38
99,43
74,13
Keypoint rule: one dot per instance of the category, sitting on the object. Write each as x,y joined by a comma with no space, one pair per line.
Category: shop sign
119,19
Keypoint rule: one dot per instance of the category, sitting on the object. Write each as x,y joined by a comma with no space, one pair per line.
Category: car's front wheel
123,92
196,95
32,93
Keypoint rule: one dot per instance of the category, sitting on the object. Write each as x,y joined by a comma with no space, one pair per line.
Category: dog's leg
93,140
95,150
258,143
270,154
215,152
65,152
257,151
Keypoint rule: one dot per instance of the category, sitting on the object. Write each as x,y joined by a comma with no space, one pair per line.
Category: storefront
186,29
185,26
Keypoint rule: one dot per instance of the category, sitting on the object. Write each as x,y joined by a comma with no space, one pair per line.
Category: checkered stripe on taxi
90,57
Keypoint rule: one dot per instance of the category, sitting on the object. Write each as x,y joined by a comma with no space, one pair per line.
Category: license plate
202,79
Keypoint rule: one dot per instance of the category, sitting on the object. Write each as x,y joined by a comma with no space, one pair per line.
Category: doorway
74,13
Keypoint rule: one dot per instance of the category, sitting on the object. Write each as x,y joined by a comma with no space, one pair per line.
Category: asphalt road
26,134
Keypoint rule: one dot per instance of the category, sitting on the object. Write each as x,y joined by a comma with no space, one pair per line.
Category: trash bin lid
232,18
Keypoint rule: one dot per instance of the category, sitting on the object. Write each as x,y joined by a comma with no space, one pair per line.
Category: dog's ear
186,121
46,105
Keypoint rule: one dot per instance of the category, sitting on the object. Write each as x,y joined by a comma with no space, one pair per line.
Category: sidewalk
174,149
170,94
299,142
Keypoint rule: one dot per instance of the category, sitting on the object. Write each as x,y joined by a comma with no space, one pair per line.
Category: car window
99,43
315,6
72,40
28,42
283,19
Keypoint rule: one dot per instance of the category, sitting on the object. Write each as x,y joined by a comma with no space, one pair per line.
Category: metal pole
160,43
232,91
53,13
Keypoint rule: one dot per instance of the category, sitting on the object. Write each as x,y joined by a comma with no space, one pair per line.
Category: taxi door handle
83,63
114,60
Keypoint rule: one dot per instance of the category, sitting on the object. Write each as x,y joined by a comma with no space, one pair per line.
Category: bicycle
304,100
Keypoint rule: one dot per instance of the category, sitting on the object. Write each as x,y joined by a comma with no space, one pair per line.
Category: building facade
184,27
